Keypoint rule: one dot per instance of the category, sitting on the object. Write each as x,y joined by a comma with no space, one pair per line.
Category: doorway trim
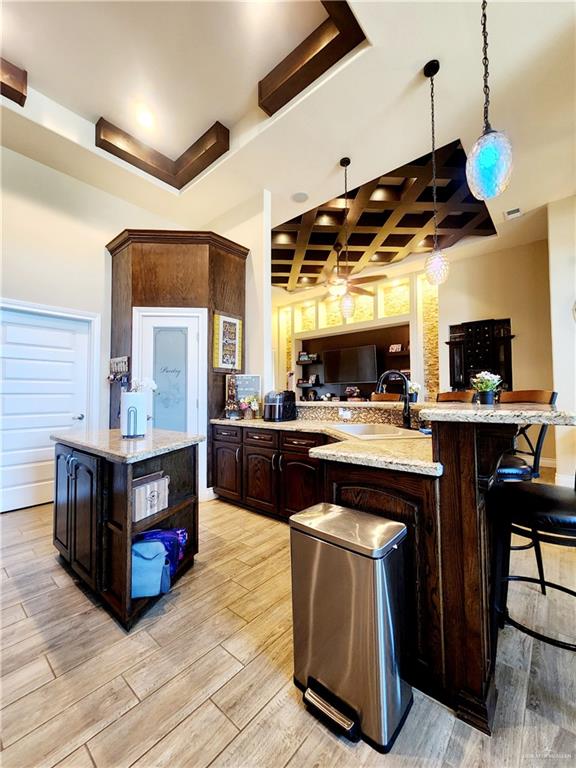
138,315
94,340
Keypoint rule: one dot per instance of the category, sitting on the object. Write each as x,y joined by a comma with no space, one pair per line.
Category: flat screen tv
356,365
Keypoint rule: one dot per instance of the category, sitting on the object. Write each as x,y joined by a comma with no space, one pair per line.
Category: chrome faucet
406,396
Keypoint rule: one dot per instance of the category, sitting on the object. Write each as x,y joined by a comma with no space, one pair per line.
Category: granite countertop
507,413
403,454
409,455
109,443
379,404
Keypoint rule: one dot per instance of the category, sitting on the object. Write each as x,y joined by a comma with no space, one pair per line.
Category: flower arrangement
414,387
486,381
249,402
141,385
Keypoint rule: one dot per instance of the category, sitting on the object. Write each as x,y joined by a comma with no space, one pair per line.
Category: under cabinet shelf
152,520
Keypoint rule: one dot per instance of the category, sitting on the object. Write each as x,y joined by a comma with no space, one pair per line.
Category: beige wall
54,232
562,260
510,283
250,225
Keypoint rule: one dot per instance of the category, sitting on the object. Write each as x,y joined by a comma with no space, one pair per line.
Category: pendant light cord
434,195
487,126
346,216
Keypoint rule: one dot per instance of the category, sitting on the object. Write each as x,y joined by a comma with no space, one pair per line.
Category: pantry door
170,346
46,367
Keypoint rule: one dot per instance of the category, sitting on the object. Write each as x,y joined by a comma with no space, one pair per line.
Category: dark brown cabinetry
77,511
93,526
267,470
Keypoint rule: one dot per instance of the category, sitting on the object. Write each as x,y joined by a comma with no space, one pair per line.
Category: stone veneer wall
429,295
365,415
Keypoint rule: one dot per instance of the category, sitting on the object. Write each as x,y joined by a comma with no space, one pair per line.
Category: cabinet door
227,470
260,478
62,532
301,482
85,511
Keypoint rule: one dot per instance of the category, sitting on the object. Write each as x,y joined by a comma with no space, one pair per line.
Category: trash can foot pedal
334,713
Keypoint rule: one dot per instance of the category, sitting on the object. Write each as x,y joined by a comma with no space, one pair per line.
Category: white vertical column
416,335
562,268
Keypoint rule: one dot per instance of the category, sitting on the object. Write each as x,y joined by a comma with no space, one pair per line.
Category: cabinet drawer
300,441
232,434
266,438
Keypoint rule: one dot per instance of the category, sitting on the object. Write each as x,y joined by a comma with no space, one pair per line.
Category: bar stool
467,396
542,513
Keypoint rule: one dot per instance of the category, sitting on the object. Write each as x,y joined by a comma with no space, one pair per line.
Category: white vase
133,414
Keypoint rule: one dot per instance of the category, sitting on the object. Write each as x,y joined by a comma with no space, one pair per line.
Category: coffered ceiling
388,219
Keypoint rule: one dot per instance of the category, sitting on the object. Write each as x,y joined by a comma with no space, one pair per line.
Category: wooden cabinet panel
300,482
62,527
262,437
230,434
260,478
227,470
301,441
85,493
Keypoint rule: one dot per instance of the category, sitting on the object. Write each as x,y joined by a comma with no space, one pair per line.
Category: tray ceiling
388,219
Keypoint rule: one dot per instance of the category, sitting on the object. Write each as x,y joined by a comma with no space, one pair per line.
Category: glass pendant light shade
489,165
347,305
437,268
338,288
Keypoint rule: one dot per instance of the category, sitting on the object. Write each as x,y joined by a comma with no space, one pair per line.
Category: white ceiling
190,63
373,106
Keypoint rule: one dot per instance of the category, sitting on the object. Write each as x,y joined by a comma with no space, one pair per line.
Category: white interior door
169,345
44,380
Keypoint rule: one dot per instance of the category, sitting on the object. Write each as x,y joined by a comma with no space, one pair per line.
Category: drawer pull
227,434
298,442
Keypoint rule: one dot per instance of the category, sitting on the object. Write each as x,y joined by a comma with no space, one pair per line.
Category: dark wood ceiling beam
210,146
301,246
329,43
13,82
412,193
356,208
468,229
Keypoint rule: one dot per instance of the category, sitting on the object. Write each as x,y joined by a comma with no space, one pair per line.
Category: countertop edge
76,441
414,466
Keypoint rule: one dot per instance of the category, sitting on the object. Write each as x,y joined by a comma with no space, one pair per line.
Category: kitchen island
434,485
94,517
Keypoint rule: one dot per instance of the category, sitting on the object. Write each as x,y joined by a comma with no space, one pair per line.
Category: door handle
280,463
273,462
80,417
237,455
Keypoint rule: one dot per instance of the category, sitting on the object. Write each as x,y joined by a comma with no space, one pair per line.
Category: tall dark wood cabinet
485,345
163,268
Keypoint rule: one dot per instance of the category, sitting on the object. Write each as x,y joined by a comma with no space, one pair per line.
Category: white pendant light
489,164
347,305
437,265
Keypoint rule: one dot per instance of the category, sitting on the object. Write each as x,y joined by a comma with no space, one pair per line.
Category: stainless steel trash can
347,596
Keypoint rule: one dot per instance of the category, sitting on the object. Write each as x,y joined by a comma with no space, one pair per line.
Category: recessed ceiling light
144,116
300,197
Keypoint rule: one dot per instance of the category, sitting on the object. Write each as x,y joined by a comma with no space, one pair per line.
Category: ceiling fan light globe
338,288
347,306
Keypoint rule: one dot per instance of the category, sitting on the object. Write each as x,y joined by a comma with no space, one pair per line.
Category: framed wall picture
227,349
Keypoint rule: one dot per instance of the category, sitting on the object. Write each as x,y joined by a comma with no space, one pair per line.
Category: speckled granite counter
408,451
507,413
109,443
408,455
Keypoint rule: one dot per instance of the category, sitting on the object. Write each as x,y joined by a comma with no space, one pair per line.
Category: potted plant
413,390
486,384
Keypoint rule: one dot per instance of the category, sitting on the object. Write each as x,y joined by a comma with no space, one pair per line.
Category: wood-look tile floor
205,678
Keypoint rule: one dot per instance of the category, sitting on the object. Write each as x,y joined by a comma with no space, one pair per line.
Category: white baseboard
565,480
207,494
548,463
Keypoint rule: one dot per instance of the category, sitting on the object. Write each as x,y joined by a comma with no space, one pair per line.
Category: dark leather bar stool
541,513
513,467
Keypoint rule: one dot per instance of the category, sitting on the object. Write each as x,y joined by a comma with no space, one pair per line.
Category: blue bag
173,539
150,569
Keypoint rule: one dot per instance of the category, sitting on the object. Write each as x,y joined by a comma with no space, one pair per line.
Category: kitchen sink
377,431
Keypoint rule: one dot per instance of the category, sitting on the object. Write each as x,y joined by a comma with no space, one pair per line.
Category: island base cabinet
301,483
77,509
